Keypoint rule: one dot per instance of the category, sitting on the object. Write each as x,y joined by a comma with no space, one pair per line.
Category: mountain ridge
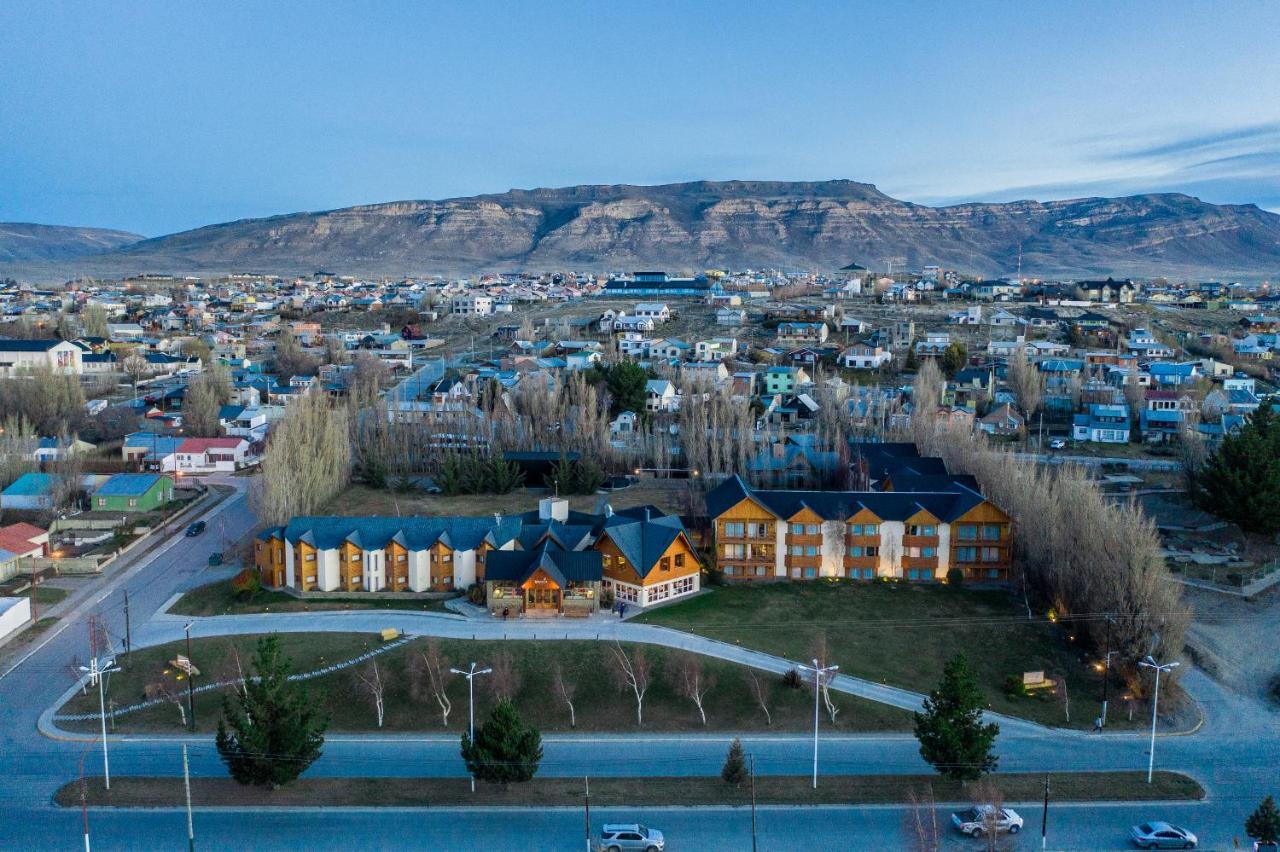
28,241
696,225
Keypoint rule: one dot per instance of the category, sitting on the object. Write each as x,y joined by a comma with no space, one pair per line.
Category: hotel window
664,564
679,560
731,551
797,550
855,529
810,573
968,532
991,532
735,530
401,557
355,557
311,557
929,552
683,586
966,554
762,530
811,551
797,529
990,554
855,552
811,529
759,570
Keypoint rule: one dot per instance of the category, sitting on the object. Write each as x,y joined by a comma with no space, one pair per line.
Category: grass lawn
902,634
667,495
615,792
217,598
599,705
46,595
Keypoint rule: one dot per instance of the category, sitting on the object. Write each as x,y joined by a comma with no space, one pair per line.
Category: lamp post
471,674
820,674
97,671
1150,663
191,684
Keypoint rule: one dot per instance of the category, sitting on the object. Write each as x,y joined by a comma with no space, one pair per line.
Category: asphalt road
1235,755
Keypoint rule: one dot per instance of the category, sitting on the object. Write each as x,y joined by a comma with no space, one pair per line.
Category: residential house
863,356
1106,424
1122,292
1003,422
660,395
732,317
210,455
1165,414
60,356
784,380
655,311
801,333
471,304
764,534
133,492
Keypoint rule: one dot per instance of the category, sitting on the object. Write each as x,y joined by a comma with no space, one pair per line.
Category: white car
1057,444
979,819
623,837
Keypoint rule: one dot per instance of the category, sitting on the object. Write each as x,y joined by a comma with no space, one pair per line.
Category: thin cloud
1190,144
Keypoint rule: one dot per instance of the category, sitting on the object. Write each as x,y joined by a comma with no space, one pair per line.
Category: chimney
553,509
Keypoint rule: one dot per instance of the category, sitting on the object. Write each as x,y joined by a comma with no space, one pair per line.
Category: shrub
246,584
792,680
955,576
475,594
606,599
1014,687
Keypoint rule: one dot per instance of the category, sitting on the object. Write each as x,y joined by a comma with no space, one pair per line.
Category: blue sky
160,116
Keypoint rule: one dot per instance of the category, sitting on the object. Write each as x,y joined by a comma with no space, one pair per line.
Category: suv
618,837
977,820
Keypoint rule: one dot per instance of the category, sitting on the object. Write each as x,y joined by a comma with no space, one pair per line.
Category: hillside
20,241
693,226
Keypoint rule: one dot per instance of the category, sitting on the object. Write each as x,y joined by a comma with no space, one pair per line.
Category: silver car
979,819
619,837
1161,835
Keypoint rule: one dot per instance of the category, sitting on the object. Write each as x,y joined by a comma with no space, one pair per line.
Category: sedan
195,529
1057,444
979,819
1161,835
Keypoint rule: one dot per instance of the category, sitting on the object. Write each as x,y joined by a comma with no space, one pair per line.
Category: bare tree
631,672
505,679
135,366
429,678
690,680
93,319
986,794
18,443
369,681
163,690
761,693
1025,381
67,482
565,688
922,829
823,683
307,461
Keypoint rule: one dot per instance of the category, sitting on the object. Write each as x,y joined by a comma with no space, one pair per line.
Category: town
610,456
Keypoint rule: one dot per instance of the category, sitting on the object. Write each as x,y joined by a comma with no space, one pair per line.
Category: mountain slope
20,241
692,226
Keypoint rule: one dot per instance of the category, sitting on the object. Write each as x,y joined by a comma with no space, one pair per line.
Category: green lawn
600,706
901,634
46,596
135,791
667,495
217,598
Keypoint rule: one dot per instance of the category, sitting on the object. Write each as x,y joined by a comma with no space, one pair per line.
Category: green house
133,492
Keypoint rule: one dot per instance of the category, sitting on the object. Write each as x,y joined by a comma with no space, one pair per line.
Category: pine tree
1263,824
950,730
271,733
1240,481
734,770
505,750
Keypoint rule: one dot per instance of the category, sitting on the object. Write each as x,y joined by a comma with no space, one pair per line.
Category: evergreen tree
451,475
1263,824
950,730
734,770
505,750
626,382
954,357
271,733
1240,481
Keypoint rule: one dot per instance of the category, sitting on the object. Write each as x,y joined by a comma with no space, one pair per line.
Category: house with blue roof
133,492
1102,423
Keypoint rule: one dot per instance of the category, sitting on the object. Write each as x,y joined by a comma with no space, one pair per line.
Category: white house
656,311
861,356
732,317
660,395
471,304
57,355
715,348
211,455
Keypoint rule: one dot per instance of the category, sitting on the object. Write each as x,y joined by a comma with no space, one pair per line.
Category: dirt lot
1237,640
667,494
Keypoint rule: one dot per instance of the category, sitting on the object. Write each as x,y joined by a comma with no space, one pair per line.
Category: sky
156,117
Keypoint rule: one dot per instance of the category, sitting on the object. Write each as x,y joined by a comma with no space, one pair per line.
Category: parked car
1161,835
195,529
1057,444
620,837
979,819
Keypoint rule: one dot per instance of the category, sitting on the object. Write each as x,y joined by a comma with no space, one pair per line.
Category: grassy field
217,598
901,634
667,495
599,705
130,791
46,595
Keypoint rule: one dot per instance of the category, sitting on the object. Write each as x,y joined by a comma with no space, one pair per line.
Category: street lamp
1150,663
97,670
471,674
820,674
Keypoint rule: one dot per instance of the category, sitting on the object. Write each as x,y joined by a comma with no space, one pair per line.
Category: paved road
1235,755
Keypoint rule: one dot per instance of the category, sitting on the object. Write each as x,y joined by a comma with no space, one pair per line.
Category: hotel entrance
541,595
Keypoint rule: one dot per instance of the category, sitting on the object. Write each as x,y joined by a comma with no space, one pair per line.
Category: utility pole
1044,817
128,633
820,674
97,670
752,758
35,603
1150,663
186,783
586,803
1106,675
471,674
191,684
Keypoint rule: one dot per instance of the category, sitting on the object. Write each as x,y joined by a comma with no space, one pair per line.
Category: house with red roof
18,541
210,455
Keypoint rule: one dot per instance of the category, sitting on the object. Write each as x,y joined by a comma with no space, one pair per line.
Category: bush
1014,687
475,594
792,679
246,584
955,576
606,599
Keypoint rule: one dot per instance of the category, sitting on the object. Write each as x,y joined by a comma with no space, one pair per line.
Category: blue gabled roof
128,485
839,505
415,533
29,485
642,539
562,566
